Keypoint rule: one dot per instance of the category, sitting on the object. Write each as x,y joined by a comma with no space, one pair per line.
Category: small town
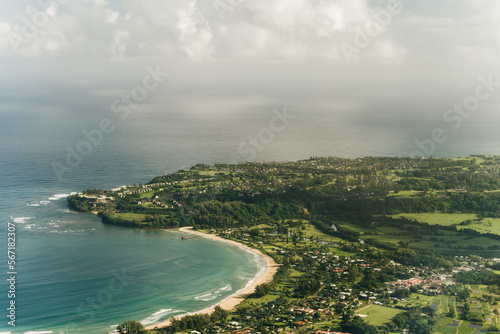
372,245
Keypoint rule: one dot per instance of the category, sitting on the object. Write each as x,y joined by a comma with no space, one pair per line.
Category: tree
131,327
356,325
463,294
219,315
262,289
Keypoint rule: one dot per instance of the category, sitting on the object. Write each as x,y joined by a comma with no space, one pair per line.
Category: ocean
75,274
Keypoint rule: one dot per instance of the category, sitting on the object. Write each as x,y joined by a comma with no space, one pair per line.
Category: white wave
162,311
21,220
210,296
215,294
207,299
57,197
67,211
29,204
157,316
4,332
115,330
45,202
227,287
29,226
38,332
203,296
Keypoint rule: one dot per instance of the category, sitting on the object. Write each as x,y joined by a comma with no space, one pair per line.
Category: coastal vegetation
131,327
368,245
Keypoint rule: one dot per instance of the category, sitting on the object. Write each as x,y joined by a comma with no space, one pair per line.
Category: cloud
250,31
280,29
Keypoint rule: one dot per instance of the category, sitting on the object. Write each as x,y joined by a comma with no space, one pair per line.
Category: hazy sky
375,64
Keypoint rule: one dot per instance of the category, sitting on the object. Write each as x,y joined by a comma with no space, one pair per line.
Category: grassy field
408,193
384,233
378,315
131,216
445,219
464,328
148,194
210,172
310,232
487,225
417,299
441,304
448,242
447,245
445,325
484,289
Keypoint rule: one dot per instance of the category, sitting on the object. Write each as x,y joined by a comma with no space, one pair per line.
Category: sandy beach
233,300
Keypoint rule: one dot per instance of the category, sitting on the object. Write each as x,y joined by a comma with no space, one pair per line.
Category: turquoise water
78,275
68,263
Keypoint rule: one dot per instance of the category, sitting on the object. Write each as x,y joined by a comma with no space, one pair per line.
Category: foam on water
50,199
213,295
227,287
67,211
203,296
58,197
207,299
162,311
157,316
260,262
21,220
75,231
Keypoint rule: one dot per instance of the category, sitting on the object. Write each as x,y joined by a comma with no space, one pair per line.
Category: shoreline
229,303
